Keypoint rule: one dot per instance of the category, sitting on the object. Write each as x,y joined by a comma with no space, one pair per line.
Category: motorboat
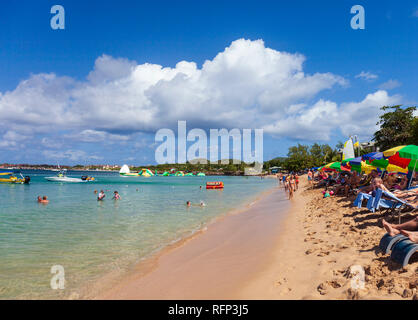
10,177
62,177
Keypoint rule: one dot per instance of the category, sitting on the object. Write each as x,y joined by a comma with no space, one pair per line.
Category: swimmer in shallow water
101,195
44,200
116,195
201,204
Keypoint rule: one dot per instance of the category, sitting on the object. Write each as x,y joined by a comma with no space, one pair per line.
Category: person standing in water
101,195
116,195
289,186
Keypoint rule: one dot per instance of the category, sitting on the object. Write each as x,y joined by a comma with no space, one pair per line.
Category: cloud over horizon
248,85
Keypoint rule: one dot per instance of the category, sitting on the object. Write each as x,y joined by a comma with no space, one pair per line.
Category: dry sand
265,253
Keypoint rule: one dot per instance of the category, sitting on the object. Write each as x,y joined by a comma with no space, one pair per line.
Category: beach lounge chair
397,205
360,197
403,250
387,242
377,202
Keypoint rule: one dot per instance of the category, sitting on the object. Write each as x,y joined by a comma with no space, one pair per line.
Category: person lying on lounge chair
410,196
371,177
408,229
378,184
353,183
342,182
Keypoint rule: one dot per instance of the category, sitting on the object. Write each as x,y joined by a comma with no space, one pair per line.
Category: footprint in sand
323,253
285,291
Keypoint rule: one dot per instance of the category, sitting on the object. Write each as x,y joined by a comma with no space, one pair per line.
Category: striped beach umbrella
373,156
403,156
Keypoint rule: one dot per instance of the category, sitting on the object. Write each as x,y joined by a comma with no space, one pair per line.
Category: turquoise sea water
90,238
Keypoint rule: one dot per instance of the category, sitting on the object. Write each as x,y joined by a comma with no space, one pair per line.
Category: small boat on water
214,185
62,177
10,177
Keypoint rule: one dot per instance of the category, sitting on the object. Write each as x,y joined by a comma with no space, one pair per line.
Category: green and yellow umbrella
335,166
362,167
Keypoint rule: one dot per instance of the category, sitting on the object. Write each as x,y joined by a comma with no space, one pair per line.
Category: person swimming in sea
101,195
116,195
201,204
43,200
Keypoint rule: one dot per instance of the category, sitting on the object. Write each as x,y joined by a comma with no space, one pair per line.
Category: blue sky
296,69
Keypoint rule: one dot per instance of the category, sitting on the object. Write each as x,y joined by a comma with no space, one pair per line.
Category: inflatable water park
126,172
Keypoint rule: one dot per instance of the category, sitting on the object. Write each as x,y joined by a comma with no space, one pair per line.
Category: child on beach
116,196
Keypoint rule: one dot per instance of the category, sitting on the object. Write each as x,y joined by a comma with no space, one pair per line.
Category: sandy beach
277,249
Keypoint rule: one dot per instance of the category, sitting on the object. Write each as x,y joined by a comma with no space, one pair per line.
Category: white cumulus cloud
390,84
247,85
367,76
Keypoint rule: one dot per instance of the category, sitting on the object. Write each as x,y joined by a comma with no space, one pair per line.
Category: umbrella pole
413,173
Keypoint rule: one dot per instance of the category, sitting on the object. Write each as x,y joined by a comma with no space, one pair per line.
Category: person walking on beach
310,178
293,182
296,181
285,183
289,187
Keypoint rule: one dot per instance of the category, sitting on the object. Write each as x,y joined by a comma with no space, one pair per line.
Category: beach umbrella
335,166
392,151
346,161
362,167
403,156
372,156
353,161
331,166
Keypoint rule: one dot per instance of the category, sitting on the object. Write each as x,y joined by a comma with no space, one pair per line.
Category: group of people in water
43,200
201,204
290,183
102,195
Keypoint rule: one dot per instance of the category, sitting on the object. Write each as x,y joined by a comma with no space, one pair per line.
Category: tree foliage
398,127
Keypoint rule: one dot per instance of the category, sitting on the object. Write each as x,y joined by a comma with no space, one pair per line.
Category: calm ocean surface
90,238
